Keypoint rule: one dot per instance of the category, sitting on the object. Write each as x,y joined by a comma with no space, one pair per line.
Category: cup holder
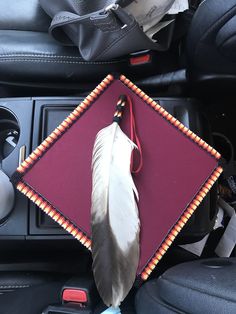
9,136
9,133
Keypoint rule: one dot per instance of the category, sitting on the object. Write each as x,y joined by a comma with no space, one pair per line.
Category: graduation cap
178,170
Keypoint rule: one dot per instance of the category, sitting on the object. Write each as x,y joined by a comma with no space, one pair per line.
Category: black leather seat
29,292
211,42
30,57
31,300
210,51
11,281
205,286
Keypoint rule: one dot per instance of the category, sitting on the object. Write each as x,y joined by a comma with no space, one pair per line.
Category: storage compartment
9,133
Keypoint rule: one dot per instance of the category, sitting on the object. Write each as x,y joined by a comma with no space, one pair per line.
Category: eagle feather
115,216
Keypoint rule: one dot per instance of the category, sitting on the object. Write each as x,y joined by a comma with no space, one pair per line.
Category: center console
25,122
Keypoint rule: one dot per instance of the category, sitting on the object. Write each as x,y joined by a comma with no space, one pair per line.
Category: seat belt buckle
81,292
78,295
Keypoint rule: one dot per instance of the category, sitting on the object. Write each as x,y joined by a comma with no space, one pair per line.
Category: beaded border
67,123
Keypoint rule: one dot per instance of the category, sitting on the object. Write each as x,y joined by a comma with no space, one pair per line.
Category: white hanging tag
179,6
112,310
149,12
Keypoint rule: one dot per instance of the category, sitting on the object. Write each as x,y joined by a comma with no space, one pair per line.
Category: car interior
43,269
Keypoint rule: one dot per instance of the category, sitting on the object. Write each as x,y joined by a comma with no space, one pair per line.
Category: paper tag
156,28
149,12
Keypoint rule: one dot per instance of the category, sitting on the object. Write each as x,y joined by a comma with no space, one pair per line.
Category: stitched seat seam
57,61
22,58
38,55
14,287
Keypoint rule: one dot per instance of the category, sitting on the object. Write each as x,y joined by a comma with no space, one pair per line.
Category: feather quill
115,217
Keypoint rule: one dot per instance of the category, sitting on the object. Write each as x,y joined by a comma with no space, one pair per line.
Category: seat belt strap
228,240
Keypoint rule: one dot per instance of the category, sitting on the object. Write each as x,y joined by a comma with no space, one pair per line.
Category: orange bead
185,130
190,210
144,276
21,169
43,205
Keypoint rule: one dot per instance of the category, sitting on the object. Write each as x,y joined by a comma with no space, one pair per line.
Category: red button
73,295
137,60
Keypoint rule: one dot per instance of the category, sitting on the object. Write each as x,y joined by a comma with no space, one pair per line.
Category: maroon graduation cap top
179,169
